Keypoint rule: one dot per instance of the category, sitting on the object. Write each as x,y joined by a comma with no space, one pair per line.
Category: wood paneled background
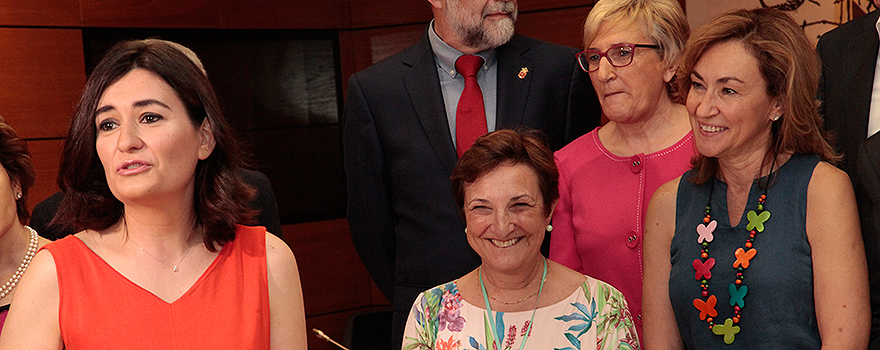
42,73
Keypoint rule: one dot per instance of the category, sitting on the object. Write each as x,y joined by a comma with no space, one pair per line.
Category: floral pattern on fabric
450,313
428,317
594,316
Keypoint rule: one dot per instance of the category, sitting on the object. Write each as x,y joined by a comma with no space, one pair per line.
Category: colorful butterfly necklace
704,264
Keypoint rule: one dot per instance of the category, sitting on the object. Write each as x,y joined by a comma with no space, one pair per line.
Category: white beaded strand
32,250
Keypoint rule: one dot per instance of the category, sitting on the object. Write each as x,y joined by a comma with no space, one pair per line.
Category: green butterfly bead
757,221
728,330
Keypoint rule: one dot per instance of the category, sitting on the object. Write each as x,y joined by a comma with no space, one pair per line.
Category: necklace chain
520,300
497,338
173,267
515,301
704,265
32,250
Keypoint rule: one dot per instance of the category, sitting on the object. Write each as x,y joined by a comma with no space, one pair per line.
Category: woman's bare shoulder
279,256
827,177
666,192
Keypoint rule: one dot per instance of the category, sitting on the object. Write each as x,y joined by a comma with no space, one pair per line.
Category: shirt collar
446,55
877,26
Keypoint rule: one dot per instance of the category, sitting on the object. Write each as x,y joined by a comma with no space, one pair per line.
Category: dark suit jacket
849,56
868,168
264,201
399,154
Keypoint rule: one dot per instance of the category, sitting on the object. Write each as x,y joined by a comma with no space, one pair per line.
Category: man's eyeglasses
618,55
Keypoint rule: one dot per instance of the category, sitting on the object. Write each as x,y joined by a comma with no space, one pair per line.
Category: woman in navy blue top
758,246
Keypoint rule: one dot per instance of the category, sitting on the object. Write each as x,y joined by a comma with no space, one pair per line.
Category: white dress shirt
874,114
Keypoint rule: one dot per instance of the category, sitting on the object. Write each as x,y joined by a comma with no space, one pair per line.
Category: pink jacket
603,199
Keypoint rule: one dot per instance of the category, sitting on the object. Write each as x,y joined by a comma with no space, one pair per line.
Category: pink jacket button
633,240
636,163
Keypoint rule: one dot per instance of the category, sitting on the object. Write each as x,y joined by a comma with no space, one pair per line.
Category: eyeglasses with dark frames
618,55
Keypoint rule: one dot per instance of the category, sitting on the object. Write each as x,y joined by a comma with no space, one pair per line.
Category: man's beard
474,32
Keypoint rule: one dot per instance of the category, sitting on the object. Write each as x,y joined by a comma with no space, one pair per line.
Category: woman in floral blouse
507,187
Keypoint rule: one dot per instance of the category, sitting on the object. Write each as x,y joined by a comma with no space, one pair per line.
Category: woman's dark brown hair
790,67
16,160
508,147
220,198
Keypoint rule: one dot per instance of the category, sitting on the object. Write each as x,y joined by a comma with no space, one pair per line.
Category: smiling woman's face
505,217
730,110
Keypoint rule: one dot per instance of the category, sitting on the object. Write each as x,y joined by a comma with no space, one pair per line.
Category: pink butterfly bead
705,232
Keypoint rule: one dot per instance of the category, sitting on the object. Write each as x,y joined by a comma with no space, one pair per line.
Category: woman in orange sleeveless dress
149,179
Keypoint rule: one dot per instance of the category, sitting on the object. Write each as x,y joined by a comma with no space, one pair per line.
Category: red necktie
470,116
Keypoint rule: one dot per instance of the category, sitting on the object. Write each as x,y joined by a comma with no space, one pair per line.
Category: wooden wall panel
56,13
372,45
332,275
383,13
286,14
151,14
246,14
282,14
360,49
41,77
347,59
44,157
567,26
528,6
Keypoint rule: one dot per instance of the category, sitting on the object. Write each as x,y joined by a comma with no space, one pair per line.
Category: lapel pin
523,72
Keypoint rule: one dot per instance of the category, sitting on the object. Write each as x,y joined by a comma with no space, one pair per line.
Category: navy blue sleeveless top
779,312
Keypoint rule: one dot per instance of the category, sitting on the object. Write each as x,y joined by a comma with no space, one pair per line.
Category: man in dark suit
849,58
399,146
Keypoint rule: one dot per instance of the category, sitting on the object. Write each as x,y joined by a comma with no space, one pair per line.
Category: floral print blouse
595,316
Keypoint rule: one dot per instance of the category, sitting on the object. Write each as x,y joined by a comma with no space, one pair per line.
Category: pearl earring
465,230
18,195
549,228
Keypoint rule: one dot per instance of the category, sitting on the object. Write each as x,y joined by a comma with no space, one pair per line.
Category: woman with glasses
608,176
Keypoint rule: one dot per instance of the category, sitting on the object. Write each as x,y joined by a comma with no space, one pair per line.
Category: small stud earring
775,118
465,230
18,195
549,228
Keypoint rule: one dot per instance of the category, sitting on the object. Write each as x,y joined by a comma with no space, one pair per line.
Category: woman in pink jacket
607,176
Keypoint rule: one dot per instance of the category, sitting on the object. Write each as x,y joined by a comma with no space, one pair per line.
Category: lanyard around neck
499,337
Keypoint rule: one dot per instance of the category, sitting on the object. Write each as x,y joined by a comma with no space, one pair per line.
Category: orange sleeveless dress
227,307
